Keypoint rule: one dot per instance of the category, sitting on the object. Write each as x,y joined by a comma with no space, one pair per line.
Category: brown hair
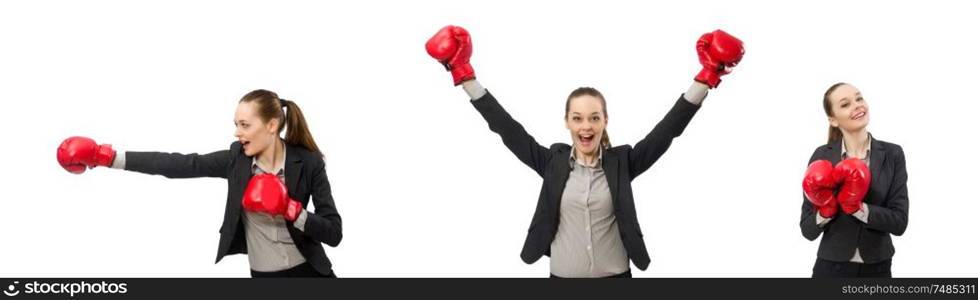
270,106
834,132
590,91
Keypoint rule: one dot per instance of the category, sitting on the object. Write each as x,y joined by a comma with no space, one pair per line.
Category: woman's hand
267,194
854,176
718,52
452,47
76,153
819,186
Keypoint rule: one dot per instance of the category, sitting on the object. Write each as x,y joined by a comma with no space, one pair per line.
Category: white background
424,188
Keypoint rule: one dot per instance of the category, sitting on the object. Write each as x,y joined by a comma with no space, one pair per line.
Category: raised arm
452,47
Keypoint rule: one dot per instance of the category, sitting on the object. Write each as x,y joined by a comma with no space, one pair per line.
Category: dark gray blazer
305,177
887,201
620,164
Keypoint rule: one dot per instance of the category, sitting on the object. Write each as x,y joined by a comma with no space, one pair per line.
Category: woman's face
586,121
850,112
254,134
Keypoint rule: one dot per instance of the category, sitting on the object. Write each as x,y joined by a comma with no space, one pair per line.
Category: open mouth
244,144
859,115
585,139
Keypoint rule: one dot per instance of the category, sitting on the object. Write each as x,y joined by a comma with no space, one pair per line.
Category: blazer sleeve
893,217
809,228
325,224
649,149
524,146
177,165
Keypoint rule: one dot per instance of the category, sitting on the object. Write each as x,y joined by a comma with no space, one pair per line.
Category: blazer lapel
877,155
242,171
835,151
561,171
293,169
609,163
242,175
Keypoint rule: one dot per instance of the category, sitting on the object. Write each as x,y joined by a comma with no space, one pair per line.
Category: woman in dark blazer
585,218
270,182
857,204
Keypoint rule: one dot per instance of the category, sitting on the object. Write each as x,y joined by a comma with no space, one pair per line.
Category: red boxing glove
452,47
267,194
854,176
719,52
819,186
76,153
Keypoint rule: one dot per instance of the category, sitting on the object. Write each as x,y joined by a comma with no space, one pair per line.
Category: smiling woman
865,179
846,109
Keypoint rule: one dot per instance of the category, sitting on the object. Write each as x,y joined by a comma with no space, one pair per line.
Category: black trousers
627,274
302,270
826,268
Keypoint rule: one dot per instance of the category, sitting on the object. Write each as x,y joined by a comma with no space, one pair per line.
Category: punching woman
855,192
270,182
585,218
